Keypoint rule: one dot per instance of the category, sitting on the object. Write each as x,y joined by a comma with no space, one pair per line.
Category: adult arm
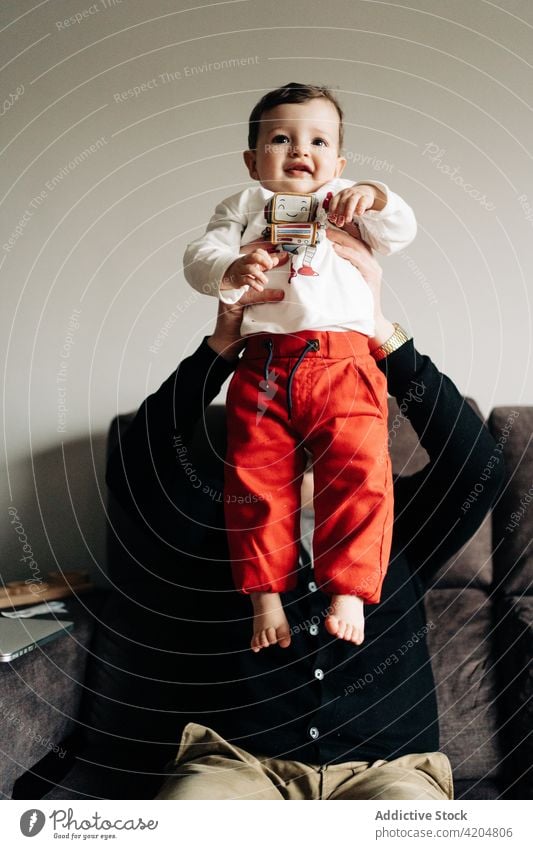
149,469
435,513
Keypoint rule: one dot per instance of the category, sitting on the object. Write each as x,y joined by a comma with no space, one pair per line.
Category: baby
306,383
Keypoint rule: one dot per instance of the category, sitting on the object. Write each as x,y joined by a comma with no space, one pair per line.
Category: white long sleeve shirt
336,299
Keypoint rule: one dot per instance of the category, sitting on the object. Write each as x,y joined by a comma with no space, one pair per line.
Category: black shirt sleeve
435,513
148,469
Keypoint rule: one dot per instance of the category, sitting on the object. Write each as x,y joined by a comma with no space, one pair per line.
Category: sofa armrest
512,428
40,695
515,673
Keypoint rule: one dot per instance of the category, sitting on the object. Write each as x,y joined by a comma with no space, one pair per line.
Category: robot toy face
293,207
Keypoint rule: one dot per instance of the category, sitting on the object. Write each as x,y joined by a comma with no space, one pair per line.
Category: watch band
398,338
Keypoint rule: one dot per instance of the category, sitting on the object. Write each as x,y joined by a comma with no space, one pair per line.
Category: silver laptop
19,636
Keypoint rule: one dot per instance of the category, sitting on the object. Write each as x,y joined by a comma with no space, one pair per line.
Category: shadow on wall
56,517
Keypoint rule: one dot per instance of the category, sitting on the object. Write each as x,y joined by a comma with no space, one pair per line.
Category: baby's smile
298,168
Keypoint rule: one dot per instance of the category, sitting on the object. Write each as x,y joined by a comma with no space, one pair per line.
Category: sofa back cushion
472,565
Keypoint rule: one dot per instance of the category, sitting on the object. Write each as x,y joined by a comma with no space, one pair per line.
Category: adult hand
226,339
348,245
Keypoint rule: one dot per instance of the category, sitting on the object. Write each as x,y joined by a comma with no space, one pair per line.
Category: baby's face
297,147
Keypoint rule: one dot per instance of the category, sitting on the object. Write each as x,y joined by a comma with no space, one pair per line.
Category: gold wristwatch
398,338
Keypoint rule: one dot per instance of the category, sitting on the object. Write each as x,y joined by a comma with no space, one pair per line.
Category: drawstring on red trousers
310,345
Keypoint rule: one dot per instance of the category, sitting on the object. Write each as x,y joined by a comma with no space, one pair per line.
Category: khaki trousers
208,767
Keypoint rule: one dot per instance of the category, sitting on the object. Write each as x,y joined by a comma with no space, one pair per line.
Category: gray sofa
109,699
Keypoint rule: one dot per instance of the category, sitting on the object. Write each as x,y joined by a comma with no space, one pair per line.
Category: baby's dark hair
290,93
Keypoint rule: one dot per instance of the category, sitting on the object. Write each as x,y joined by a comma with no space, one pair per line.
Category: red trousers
322,391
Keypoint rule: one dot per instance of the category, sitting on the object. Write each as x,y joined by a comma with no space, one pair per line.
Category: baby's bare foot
270,623
345,619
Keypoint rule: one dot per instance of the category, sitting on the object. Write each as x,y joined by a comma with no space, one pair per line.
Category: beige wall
103,184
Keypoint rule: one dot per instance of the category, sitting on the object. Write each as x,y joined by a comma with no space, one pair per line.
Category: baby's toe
348,633
263,639
270,636
342,629
332,625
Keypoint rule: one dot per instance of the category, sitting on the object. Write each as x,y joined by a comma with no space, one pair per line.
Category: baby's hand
349,202
249,270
